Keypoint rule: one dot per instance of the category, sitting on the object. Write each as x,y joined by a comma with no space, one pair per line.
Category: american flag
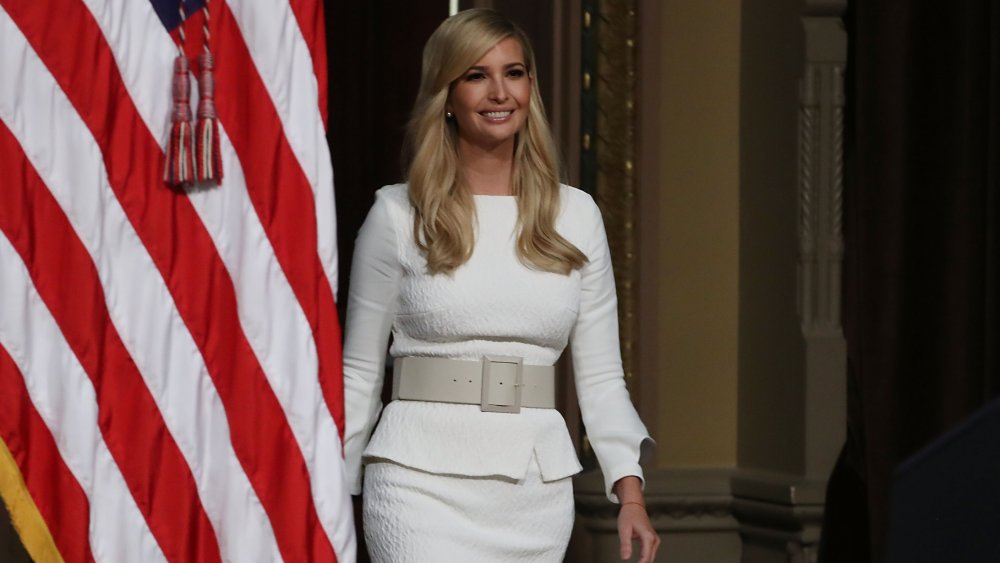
170,384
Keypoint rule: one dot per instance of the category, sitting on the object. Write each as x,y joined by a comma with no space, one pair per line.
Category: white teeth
496,114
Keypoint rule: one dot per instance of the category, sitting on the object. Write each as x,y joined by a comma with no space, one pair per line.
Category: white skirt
411,516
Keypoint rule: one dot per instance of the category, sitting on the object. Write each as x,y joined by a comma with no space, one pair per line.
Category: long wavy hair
444,224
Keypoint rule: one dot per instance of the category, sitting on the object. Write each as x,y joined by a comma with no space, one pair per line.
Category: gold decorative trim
615,84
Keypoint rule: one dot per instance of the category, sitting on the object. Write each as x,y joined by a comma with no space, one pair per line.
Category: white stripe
64,397
282,340
64,153
276,327
284,62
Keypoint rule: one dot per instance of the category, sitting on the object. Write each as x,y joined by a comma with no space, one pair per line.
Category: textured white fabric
494,305
421,517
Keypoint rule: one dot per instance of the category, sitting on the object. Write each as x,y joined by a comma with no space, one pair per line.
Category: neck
487,170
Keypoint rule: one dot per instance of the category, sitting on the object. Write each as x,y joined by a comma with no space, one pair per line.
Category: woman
482,267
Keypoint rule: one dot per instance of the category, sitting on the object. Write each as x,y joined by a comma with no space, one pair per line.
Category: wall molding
765,512
780,515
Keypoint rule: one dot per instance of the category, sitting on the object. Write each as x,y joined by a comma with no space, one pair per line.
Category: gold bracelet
643,505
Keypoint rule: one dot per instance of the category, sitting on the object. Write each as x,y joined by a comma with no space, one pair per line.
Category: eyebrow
510,65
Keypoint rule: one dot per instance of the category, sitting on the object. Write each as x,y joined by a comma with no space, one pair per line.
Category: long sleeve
375,279
615,432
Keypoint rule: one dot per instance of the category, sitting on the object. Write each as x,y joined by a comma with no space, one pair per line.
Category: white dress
491,305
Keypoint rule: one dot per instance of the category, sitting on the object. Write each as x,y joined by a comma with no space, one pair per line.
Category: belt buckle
487,378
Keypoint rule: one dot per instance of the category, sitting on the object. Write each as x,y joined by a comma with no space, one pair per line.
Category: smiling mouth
496,115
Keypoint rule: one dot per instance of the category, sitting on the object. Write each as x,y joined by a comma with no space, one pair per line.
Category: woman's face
490,101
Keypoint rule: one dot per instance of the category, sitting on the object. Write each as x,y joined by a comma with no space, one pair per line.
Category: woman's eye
475,76
516,72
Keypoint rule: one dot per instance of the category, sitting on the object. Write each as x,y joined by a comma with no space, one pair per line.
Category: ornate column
821,241
781,515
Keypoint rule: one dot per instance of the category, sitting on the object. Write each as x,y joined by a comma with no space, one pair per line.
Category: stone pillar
821,240
780,512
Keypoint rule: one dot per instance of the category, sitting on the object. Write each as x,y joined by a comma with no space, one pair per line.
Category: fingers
650,543
625,540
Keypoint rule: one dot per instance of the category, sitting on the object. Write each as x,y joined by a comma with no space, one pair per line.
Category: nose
498,90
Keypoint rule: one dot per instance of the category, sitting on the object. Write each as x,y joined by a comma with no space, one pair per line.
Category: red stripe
275,182
62,271
184,253
56,492
309,14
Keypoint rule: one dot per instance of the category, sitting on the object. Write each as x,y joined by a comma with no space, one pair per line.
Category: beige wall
731,352
698,232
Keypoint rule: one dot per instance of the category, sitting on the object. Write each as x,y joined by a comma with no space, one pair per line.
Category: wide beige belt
495,383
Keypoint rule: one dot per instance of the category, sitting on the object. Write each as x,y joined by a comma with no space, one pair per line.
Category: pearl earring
449,115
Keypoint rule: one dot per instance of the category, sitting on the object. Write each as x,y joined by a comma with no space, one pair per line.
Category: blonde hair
444,210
